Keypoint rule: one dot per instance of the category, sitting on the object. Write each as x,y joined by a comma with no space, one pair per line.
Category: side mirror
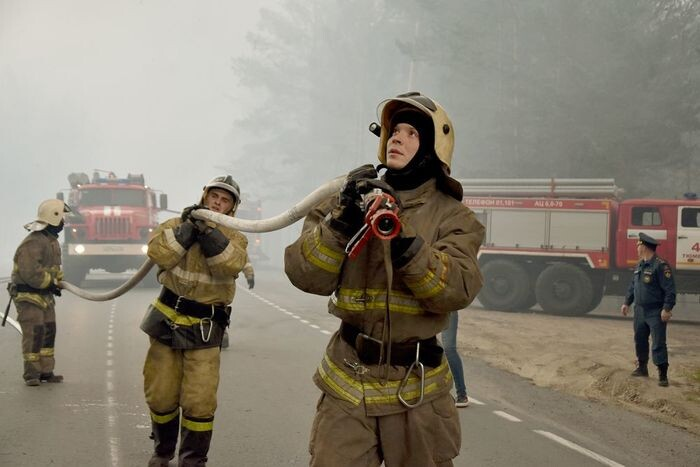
59,195
163,201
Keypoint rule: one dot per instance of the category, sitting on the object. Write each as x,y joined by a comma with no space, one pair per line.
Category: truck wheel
564,289
506,286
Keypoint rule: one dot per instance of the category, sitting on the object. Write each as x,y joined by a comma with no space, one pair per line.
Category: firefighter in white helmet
35,275
385,381
198,263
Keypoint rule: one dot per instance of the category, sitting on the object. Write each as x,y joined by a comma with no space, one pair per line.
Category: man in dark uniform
654,293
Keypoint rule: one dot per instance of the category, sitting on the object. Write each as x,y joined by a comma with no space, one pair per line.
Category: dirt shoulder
590,358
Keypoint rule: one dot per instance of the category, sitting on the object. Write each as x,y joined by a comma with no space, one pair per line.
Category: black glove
186,234
54,289
187,212
405,246
251,282
213,242
347,218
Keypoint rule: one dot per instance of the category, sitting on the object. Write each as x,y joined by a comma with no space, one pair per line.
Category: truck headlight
80,249
144,249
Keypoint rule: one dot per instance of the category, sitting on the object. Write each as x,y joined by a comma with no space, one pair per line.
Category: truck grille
112,228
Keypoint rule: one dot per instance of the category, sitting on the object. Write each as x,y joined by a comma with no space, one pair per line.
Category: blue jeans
449,342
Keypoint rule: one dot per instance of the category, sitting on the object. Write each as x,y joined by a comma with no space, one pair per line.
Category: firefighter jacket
37,264
205,272
442,275
652,286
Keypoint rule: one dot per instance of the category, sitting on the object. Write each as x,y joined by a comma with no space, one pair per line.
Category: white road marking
475,401
586,452
507,416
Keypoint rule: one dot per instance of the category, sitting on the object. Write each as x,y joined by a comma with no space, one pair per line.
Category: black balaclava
54,229
424,164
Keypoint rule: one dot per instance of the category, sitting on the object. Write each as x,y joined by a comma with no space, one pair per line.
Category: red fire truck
251,209
564,243
111,221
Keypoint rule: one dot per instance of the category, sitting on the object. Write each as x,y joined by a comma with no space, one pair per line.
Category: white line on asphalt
304,321
288,313
323,331
315,326
475,401
507,416
577,448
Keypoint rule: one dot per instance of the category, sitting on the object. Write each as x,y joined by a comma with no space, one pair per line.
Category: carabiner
421,372
211,325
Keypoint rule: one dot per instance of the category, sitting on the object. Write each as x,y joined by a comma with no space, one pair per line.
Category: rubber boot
194,446
31,374
663,374
641,369
164,436
51,378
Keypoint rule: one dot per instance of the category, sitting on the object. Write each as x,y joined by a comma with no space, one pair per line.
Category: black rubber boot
194,446
164,436
663,374
51,378
641,369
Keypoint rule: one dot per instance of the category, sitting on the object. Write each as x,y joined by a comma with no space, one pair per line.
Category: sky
130,86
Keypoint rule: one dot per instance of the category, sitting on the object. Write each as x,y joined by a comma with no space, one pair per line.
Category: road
97,417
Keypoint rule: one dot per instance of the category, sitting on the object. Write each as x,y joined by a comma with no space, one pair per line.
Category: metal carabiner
209,320
421,373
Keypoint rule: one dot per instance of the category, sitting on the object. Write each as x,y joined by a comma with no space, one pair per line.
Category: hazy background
280,94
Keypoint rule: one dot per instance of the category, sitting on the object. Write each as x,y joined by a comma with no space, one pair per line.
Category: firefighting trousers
342,435
38,338
177,379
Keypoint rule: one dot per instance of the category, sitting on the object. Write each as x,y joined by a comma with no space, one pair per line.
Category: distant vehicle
251,209
110,224
564,243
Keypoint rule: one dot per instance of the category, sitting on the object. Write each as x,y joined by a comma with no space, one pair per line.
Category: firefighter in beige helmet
384,378
35,275
198,263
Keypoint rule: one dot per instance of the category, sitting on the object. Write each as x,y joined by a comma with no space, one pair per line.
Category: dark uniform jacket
37,264
652,286
207,277
441,277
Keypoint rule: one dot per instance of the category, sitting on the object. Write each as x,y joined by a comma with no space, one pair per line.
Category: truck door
688,238
647,219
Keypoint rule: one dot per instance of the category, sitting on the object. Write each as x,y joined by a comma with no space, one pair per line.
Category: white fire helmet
444,131
227,183
50,212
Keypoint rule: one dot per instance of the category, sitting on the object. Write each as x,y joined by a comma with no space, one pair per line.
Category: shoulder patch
667,272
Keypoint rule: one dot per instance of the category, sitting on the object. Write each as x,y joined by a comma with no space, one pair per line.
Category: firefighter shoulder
198,272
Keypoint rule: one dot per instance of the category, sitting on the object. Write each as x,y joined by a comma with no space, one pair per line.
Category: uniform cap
647,240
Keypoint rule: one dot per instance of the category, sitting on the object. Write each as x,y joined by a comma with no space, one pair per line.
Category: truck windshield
102,197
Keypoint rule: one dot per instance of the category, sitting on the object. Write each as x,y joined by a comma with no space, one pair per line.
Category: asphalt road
98,417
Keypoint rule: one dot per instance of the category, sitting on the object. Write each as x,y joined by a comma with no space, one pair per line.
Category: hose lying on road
278,222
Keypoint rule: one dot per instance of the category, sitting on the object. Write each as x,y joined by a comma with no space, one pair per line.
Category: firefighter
198,264
384,379
249,274
35,275
653,292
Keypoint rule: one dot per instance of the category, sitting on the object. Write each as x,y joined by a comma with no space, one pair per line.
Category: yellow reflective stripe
46,352
34,298
320,255
172,243
435,380
430,284
47,280
407,394
164,418
174,316
222,257
190,277
377,386
328,379
31,357
197,426
375,299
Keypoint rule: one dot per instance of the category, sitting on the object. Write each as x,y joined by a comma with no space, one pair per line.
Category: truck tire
564,289
506,286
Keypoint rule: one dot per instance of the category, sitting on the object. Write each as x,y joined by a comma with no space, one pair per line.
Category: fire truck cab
110,224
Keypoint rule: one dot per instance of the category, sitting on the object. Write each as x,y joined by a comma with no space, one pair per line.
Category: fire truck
251,209
110,224
564,243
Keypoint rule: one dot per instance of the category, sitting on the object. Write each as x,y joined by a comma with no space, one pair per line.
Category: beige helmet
227,183
50,212
444,132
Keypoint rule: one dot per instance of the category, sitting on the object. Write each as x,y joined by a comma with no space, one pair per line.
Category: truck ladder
542,187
